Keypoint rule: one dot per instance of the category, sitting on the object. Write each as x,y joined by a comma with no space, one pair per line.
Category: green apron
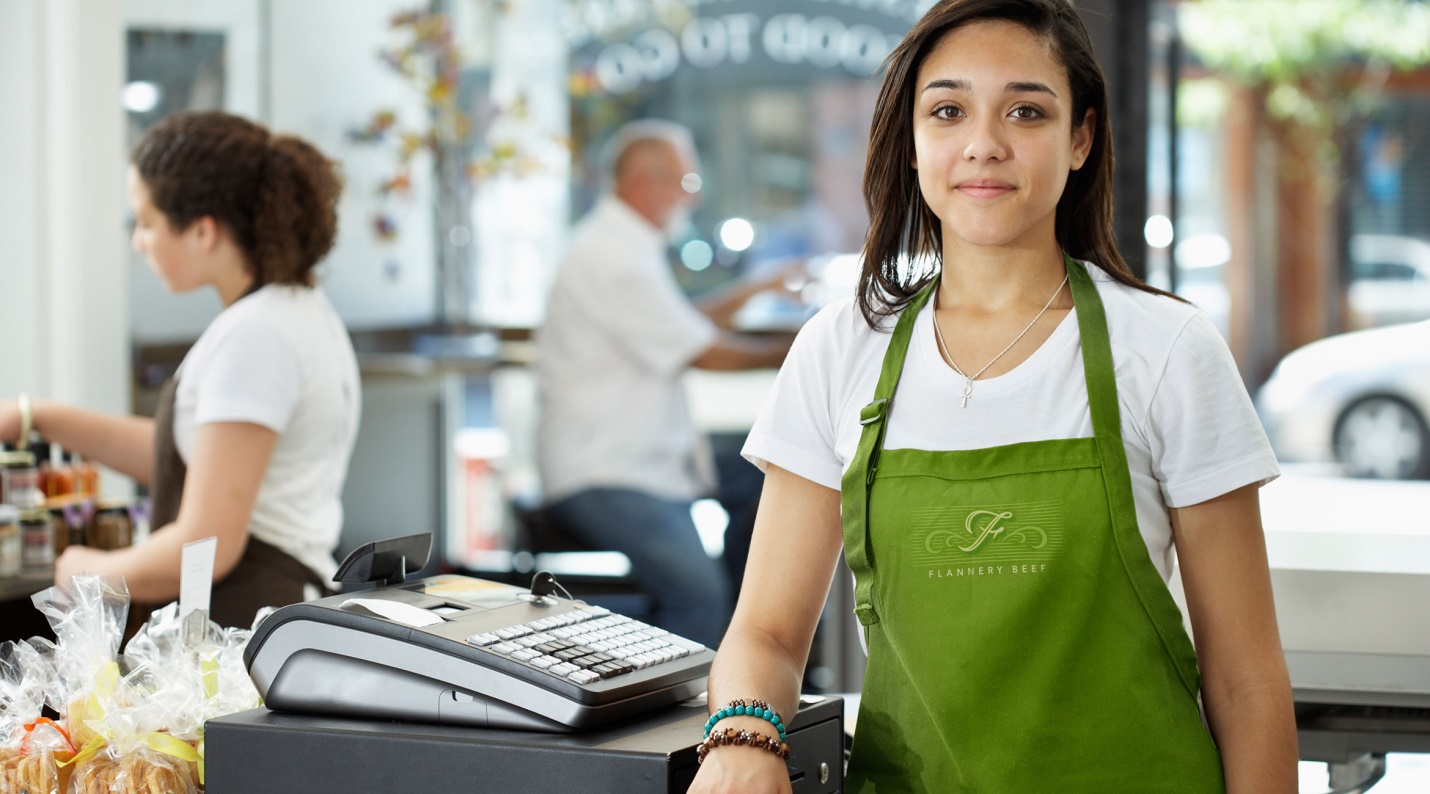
1020,638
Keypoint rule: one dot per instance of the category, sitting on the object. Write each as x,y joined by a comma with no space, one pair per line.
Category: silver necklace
968,379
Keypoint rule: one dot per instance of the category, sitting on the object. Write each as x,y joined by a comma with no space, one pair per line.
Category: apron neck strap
855,485
1099,371
899,347
1097,364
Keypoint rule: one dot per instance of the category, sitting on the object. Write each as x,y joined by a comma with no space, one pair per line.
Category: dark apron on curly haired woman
264,576
1020,638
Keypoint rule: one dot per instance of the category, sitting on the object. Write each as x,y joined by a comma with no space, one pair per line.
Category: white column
63,305
521,221
21,241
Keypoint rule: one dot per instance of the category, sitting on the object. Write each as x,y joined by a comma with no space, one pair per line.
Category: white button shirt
618,336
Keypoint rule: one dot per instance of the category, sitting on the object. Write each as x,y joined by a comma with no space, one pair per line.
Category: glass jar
56,479
21,480
112,527
68,516
86,476
9,541
37,541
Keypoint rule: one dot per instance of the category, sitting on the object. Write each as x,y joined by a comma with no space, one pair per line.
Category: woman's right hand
741,770
9,421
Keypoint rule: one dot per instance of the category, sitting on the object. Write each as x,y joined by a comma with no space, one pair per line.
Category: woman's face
169,252
993,135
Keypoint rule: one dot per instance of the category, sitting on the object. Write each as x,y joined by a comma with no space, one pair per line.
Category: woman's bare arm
220,489
123,443
1245,688
792,559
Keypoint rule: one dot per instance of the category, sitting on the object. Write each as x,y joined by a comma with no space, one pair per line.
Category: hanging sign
624,45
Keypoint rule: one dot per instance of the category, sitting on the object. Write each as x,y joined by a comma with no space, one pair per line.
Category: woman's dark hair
902,227
277,194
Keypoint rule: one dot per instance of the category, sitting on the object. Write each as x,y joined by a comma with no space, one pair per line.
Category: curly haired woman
252,437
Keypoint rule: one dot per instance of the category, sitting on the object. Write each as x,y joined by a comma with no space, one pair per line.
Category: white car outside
1361,399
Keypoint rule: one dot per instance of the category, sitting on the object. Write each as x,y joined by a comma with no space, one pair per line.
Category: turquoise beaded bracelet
738,708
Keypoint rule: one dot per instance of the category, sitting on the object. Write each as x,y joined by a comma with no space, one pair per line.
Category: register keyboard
587,644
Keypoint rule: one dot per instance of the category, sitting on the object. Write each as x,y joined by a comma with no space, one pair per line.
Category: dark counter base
264,751
19,620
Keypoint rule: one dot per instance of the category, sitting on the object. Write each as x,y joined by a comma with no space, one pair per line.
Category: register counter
23,586
18,617
260,751
1350,568
1355,627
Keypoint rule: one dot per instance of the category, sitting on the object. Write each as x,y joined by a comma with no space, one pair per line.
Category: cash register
486,684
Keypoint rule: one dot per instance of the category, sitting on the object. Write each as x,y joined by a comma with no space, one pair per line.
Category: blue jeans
739,493
691,591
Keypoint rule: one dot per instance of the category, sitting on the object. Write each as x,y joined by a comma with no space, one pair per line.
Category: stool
539,532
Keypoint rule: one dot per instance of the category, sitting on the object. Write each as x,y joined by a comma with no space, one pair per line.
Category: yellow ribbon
106,679
209,668
178,748
90,750
90,710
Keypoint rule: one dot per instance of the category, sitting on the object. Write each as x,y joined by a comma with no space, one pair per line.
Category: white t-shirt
281,358
1189,427
617,338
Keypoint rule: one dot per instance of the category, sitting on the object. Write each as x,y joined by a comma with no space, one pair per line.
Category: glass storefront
779,96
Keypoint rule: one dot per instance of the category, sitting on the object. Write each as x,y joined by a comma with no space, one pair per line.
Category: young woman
251,441
1009,442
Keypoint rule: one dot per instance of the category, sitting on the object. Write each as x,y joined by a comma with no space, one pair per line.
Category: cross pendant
967,392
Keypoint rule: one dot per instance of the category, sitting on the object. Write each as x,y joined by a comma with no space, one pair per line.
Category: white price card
196,579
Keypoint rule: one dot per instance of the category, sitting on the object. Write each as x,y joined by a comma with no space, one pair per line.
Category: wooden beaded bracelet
731,736
738,708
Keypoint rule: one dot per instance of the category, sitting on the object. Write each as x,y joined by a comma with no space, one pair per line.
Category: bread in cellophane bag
10,769
87,614
118,717
43,772
135,771
32,747
136,721
193,669
131,751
